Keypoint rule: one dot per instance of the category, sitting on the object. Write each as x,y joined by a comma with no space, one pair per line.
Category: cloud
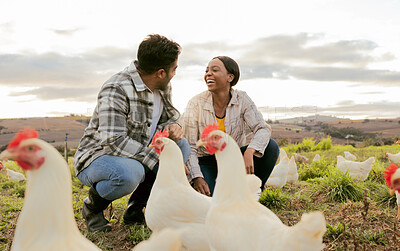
7,27
52,93
89,69
6,31
310,48
302,56
66,32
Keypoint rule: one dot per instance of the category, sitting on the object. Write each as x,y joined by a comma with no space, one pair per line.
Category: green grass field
359,215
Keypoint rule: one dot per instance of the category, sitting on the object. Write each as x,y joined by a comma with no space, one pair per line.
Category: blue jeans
118,176
262,166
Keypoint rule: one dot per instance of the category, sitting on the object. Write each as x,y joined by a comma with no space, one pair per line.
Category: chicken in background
236,222
349,156
165,240
46,221
392,177
393,157
293,175
173,202
12,175
278,176
317,158
357,170
300,158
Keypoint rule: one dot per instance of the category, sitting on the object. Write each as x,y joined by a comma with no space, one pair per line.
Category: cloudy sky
297,58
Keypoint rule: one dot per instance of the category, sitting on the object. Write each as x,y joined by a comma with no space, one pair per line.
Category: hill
54,129
378,130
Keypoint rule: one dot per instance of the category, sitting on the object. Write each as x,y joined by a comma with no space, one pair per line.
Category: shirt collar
137,80
234,100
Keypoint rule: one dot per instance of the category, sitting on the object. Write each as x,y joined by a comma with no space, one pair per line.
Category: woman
232,110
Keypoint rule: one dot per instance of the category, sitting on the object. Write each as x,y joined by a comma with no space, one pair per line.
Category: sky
297,58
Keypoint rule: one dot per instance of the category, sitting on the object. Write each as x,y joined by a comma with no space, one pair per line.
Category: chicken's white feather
46,221
236,222
357,170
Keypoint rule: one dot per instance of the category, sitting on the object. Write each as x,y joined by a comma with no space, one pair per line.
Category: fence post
66,148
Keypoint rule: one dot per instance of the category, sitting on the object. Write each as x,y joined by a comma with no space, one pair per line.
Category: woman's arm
261,130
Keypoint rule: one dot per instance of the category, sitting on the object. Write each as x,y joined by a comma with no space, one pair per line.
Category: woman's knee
272,149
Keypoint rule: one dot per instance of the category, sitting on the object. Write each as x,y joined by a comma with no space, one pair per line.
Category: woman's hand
175,131
201,186
248,160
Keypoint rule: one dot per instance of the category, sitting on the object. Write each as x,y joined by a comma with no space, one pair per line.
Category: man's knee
184,145
128,181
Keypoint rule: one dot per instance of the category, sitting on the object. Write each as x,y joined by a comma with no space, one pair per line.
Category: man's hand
201,186
248,160
175,131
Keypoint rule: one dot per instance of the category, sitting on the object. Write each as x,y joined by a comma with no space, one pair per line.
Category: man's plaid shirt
121,122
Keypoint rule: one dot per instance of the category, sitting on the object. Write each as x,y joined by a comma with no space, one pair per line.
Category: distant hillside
310,119
52,130
294,130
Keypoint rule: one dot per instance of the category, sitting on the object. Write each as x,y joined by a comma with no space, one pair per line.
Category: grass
359,215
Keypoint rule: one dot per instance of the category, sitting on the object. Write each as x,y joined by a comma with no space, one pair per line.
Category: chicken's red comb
390,170
27,133
209,129
159,134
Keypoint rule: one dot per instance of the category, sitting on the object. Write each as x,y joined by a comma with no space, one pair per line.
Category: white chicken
46,221
349,156
393,157
173,203
317,158
300,158
236,222
293,175
392,177
12,175
357,170
278,176
165,240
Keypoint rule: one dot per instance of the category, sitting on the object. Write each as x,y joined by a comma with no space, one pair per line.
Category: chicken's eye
215,137
30,148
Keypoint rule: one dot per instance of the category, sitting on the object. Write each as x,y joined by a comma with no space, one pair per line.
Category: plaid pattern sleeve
192,134
261,130
121,122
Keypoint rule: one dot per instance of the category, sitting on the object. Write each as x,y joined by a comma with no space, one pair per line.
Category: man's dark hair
156,52
232,67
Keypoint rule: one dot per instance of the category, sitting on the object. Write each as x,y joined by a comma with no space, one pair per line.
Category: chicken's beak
7,155
151,146
201,143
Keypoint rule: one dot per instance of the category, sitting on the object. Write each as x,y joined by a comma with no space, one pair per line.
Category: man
113,158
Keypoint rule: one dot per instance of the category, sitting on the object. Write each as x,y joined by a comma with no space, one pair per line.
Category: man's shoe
92,212
134,213
138,200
